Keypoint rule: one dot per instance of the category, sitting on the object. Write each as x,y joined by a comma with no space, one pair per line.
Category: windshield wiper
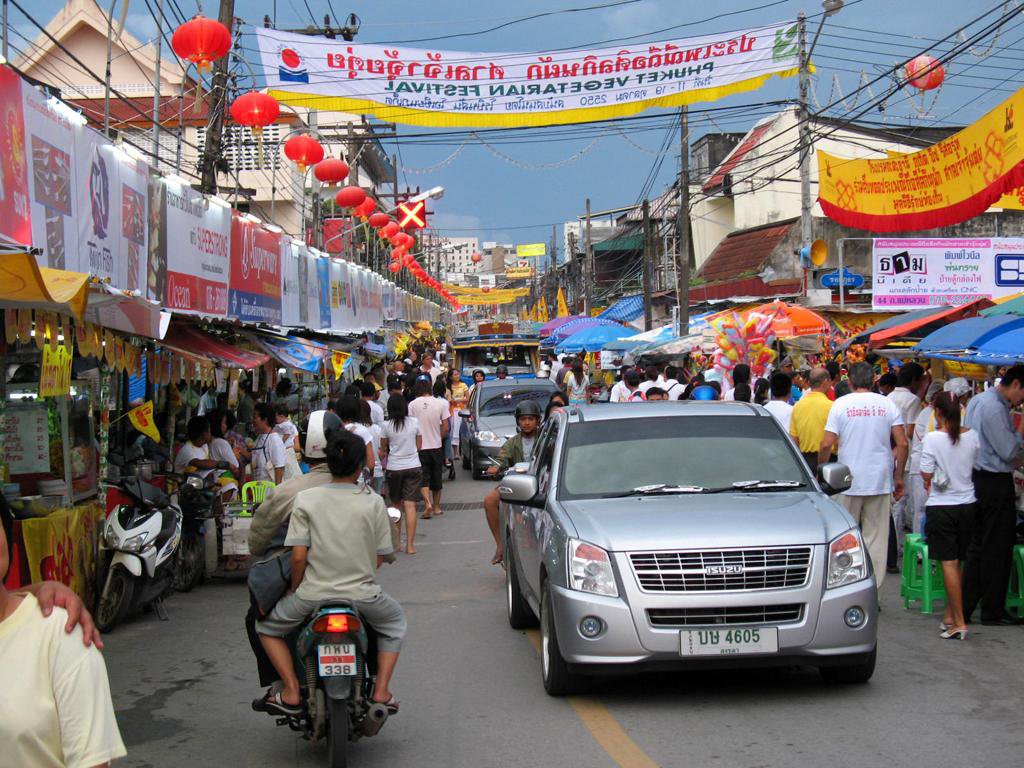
741,486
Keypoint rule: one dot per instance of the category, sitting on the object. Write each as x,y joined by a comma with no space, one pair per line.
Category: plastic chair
921,578
253,493
1015,594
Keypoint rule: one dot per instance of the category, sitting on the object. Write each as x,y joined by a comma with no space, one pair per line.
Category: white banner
444,88
293,288
99,209
925,272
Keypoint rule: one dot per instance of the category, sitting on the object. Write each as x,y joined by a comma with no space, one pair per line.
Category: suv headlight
590,569
847,560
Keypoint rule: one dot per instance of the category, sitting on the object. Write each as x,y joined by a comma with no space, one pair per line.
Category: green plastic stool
1015,594
921,578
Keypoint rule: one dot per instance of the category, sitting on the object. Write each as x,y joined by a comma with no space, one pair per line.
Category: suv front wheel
558,681
520,615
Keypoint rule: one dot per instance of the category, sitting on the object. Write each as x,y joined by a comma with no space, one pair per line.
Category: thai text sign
945,184
255,294
531,250
445,88
913,274
55,373
516,273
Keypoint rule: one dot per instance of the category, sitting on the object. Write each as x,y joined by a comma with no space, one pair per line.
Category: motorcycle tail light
337,622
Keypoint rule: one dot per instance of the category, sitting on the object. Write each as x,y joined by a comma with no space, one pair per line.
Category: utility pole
805,133
684,245
552,279
156,88
646,267
317,204
588,266
218,103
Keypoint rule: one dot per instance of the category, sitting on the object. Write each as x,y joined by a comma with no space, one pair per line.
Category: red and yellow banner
945,184
61,547
142,419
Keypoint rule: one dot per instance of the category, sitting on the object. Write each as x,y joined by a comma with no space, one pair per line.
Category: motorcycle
335,655
138,546
199,501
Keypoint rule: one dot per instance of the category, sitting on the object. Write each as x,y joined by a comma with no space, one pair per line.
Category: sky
515,192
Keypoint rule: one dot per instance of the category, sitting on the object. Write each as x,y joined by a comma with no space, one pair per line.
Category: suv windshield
706,452
505,399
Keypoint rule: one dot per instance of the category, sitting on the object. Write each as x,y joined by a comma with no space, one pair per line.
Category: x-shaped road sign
412,215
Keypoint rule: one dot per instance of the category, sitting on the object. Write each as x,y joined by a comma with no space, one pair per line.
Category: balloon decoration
201,41
256,111
924,72
475,258
350,197
304,151
743,341
331,171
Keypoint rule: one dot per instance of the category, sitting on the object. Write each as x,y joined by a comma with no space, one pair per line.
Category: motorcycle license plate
337,660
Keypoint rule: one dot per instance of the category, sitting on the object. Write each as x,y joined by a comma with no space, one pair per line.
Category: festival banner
255,286
293,290
49,144
133,200
928,272
945,184
15,224
292,351
142,419
98,207
188,249
456,88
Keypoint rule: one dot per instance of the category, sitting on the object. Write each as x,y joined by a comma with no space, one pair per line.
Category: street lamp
435,193
830,7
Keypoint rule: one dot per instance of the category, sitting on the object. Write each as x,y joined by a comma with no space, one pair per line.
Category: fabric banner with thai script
929,272
945,184
456,88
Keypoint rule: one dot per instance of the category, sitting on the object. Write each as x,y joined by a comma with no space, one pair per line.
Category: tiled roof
736,156
743,254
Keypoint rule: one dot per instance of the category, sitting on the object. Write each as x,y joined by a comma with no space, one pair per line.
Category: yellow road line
603,726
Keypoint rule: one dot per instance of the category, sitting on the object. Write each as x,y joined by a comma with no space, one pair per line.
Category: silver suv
683,535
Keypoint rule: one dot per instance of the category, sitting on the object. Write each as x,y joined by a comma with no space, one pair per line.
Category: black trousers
264,668
812,461
990,554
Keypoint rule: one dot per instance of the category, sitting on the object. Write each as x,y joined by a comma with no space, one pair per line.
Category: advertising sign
451,88
255,292
188,250
919,273
98,206
293,291
518,273
944,184
531,250
323,281
14,195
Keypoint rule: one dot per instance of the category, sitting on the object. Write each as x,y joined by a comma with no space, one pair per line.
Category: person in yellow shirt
807,424
61,714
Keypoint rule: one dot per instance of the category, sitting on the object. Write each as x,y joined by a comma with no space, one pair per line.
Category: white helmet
319,428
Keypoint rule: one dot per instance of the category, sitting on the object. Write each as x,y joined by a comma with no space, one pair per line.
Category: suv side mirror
518,489
834,478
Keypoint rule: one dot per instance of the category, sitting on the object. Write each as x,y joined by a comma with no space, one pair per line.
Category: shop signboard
15,224
26,438
293,292
849,280
49,143
926,272
255,286
133,200
531,250
188,249
55,371
518,273
323,281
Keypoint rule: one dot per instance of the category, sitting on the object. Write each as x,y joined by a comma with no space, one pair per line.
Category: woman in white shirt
577,384
289,434
947,462
400,451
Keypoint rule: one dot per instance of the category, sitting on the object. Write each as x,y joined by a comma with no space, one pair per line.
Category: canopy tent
188,339
646,337
26,285
916,324
124,311
575,326
552,325
676,347
592,339
625,310
997,340
1012,306
790,320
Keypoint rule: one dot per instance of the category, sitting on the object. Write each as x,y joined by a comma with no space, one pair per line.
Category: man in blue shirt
987,569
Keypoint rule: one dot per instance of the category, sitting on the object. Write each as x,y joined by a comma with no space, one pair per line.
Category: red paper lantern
397,254
304,151
369,205
475,258
486,289
379,219
331,171
201,41
924,72
350,197
394,267
389,230
405,239
255,110
408,259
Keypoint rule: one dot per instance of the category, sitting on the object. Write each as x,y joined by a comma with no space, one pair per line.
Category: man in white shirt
673,387
432,415
620,392
779,406
430,367
651,377
268,454
370,396
911,385
863,423
740,375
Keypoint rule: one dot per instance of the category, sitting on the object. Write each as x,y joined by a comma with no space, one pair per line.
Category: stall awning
918,325
624,243
188,339
962,339
26,285
292,351
126,312
625,310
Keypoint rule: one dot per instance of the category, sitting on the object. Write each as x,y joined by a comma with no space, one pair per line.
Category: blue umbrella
974,337
575,326
593,339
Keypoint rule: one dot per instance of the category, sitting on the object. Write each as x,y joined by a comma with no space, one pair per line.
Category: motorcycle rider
340,534
516,449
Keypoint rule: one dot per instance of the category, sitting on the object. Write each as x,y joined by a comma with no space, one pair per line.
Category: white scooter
138,546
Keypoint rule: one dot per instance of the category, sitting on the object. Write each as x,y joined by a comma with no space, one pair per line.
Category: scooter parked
199,501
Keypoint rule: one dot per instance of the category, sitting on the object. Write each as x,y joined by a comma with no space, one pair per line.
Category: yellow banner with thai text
55,373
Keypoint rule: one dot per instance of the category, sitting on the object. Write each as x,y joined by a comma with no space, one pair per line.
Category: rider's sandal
391,705
274,705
